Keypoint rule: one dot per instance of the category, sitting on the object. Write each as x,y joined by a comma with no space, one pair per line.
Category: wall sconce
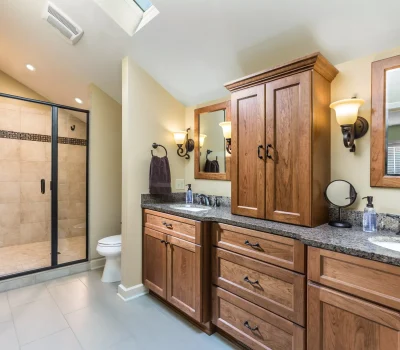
353,126
181,138
227,131
202,137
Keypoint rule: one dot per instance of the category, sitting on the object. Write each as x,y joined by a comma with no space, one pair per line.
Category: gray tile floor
81,312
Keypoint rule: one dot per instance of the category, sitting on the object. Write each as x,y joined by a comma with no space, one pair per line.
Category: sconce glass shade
347,110
202,137
226,129
179,137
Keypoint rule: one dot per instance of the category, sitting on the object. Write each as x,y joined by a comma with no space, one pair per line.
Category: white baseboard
97,263
131,293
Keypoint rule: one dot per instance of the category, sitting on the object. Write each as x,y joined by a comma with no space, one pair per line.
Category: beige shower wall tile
10,149
63,228
76,154
34,123
9,170
10,119
34,232
77,210
36,109
10,215
62,210
10,236
63,169
63,194
33,151
35,171
77,191
77,227
76,172
31,192
33,212
10,192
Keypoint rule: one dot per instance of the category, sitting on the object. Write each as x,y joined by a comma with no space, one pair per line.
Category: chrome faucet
203,199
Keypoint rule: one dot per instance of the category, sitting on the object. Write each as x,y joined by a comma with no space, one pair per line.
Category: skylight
144,4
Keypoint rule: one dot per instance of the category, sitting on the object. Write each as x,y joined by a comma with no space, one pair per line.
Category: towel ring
155,145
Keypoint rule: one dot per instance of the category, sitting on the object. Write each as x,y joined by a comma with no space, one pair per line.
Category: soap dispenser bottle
189,194
369,218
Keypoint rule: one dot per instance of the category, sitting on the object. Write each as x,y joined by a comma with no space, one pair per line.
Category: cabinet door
155,262
248,136
184,286
288,132
339,321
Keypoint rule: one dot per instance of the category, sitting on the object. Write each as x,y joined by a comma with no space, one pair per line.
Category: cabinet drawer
277,250
276,289
339,321
182,228
367,279
236,316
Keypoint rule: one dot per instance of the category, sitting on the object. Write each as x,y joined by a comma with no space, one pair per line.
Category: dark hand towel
160,176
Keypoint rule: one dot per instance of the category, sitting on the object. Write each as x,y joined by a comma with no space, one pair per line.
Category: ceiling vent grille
64,25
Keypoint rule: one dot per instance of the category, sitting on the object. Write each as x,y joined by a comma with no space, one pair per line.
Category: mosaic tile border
15,135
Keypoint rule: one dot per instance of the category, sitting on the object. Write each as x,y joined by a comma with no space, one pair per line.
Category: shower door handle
43,186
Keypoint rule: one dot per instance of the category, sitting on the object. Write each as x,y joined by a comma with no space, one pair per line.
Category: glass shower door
72,192
25,175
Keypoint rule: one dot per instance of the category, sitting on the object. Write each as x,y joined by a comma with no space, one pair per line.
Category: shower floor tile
32,256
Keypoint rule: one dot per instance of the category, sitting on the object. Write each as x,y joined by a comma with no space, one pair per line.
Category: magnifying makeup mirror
341,194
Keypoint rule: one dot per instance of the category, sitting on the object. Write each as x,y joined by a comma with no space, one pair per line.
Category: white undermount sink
392,243
190,207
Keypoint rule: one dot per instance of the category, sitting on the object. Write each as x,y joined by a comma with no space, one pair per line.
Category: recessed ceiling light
30,67
78,100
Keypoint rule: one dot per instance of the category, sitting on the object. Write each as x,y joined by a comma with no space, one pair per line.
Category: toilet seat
112,241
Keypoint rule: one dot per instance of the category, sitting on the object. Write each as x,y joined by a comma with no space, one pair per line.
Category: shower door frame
54,188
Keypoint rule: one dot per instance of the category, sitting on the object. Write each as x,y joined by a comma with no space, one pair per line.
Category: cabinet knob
247,325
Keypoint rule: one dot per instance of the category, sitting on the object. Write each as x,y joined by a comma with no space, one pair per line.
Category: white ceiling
192,47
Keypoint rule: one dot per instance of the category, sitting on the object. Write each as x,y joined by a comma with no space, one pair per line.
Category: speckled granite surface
348,241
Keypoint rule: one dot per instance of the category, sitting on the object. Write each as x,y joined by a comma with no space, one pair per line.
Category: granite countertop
348,241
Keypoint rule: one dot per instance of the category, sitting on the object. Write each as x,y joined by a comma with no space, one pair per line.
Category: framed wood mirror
385,123
211,158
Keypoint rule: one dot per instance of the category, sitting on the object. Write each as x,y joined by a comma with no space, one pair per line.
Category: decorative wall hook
73,127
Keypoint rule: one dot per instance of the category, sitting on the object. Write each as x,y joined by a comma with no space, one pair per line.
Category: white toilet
110,248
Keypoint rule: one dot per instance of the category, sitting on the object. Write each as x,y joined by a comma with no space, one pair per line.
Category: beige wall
149,114
105,167
219,188
355,78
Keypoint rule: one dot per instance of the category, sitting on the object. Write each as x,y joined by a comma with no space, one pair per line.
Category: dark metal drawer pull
246,279
247,325
167,225
255,245
162,241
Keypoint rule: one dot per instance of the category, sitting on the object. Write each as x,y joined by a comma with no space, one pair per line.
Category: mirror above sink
212,159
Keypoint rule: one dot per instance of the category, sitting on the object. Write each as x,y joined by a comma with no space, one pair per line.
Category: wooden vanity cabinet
353,303
280,162
175,269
